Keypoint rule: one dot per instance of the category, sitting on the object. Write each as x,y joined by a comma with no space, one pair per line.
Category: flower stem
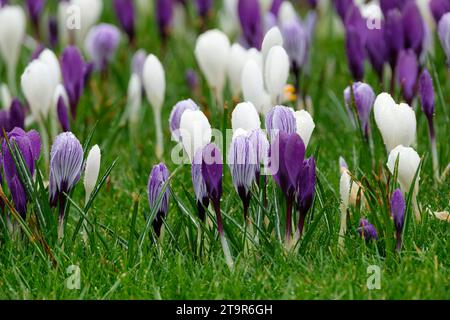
399,240
288,234
223,240
159,135
434,152
12,79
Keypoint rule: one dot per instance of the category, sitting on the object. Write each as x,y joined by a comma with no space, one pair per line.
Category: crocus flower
245,117
396,122
29,145
101,44
158,188
408,164
91,171
195,131
427,99
53,33
261,146
253,88
444,35
212,175
272,38
12,117
72,67
66,159
407,72
63,116
342,7
164,14
367,230
211,52
201,194
242,159
413,27
305,125
377,49
364,98
35,8
276,73
154,80
393,35
439,8
51,60
237,60
134,100
126,14
280,119
251,23
175,116
398,214
355,53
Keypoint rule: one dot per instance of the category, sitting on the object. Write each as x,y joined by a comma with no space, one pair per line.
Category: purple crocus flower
280,119
251,23
35,8
158,188
12,118
439,8
72,69
164,15
364,98
398,214
355,20
175,116
203,7
53,33
242,159
355,53
376,49
367,230
413,27
126,14
444,35
393,35
63,116
101,44
407,72
66,159
388,5
29,145
201,194
191,79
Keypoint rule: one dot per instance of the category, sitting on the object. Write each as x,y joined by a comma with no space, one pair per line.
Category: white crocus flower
195,131
155,87
49,58
396,122
245,117
253,87
12,33
212,52
408,164
90,178
276,73
272,38
134,99
305,125
236,63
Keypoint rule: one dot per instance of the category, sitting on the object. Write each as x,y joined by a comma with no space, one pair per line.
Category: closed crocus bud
377,49
396,122
364,98
101,43
134,99
355,53
242,159
408,164
158,188
305,190
155,86
407,72
92,170
438,8
16,115
251,23
393,35
164,15
138,61
245,117
38,87
295,41
413,27
367,230
12,32
212,53
89,13
191,79
444,35
305,125
253,87
63,114
398,214
276,73
272,38
427,94
126,14
72,67
280,119
35,8
201,194
342,7
29,145
195,131
236,63
175,116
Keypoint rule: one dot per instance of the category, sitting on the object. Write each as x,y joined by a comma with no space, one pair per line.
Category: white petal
195,131
245,116
154,81
272,38
12,33
92,169
276,73
305,125
236,63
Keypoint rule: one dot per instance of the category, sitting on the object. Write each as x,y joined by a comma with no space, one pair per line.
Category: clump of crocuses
367,230
158,195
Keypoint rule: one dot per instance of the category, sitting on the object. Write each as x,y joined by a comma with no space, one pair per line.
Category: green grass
114,264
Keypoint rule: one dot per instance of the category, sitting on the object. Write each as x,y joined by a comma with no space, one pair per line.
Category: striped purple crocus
280,119
367,230
175,116
73,74
158,195
29,145
251,23
398,214
125,13
201,194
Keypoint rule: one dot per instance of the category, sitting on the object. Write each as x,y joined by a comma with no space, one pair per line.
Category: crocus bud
191,79
236,63
63,115
245,117
38,87
393,35
49,58
407,71
305,190
377,49
280,119
101,44
427,94
355,53
342,165
16,115
126,14
342,7
253,87
396,122
275,7
242,159
444,35
92,170
287,12
212,53
276,73
72,67
89,13
305,125
155,86
195,131
53,34
158,188
175,116
367,230
272,38
138,61
29,145
35,8
413,27
250,17
398,214
364,98
295,41
164,14
201,194
134,99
